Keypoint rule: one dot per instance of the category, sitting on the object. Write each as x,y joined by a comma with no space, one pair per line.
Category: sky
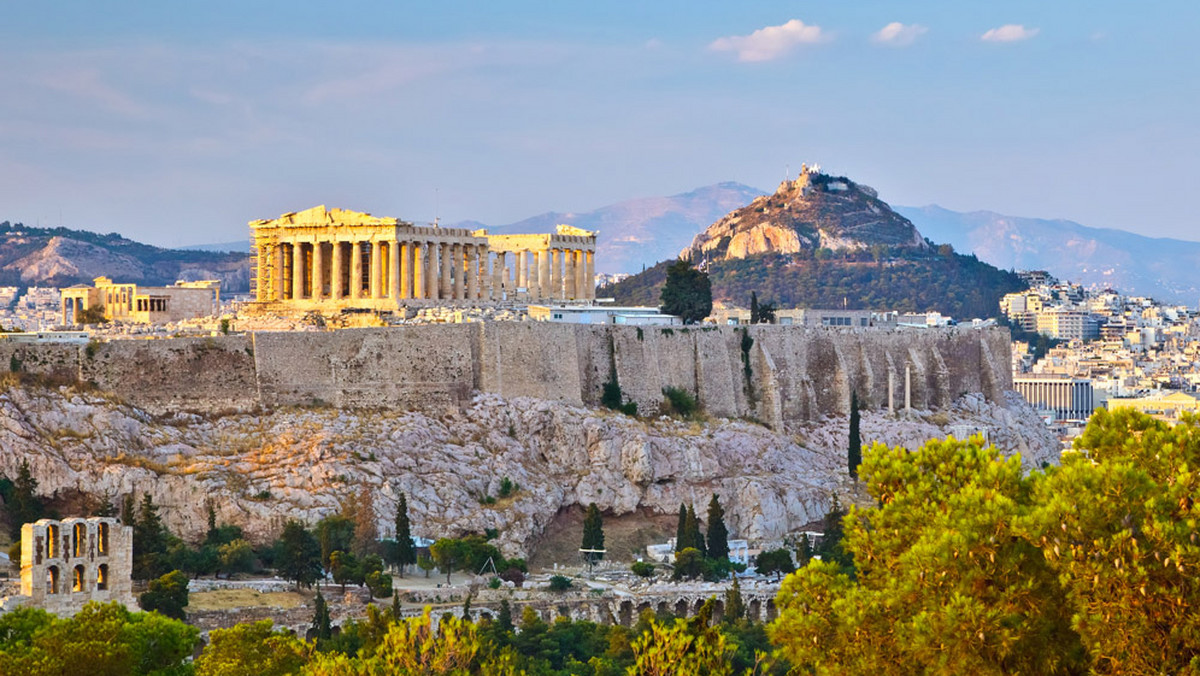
176,123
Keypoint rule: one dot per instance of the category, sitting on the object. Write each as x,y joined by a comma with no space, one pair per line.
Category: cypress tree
321,626
26,507
406,554
695,538
718,534
149,541
593,532
854,454
735,607
681,531
504,618
754,315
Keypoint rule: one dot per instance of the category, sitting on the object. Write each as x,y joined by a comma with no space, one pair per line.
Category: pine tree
406,554
593,534
682,534
695,538
128,511
854,454
396,607
718,534
298,554
321,627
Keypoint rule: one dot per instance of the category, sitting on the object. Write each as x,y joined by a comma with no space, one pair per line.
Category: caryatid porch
331,259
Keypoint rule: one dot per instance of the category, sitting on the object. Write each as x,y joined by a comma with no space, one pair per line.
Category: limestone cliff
814,211
257,470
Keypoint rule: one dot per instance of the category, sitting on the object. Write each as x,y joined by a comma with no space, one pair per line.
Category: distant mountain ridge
637,233
65,257
1165,269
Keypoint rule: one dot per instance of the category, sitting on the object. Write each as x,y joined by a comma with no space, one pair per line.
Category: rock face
814,211
258,470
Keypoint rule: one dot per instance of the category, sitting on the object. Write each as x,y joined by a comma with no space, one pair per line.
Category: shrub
513,575
642,568
680,401
508,487
559,583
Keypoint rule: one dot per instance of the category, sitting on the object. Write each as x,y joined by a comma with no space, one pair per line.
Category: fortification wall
771,373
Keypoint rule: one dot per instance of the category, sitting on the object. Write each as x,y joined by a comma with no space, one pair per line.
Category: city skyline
176,126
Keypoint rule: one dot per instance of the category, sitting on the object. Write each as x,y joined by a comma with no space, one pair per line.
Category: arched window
52,542
79,535
52,580
102,577
77,580
103,539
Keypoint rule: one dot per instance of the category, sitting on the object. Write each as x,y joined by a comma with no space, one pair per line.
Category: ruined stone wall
770,373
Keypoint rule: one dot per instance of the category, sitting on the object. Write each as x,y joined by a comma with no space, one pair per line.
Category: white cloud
772,42
897,34
1013,32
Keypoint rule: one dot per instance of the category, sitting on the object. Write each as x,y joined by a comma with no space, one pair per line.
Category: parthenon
331,259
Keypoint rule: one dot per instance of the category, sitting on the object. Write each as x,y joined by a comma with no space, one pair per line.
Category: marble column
555,280
590,274
355,270
373,280
318,277
570,274
543,273
443,262
472,272
393,270
335,271
431,271
485,273
498,280
277,274
405,262
297,271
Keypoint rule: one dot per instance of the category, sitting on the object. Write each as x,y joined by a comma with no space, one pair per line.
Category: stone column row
373,270
550,274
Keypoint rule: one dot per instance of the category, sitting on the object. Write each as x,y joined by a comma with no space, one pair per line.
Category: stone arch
102,577
754,610
771,612
625,613
79,540
718,610
697,605
681,608
643,607
663,608
52,579
103,539
78,579
52,542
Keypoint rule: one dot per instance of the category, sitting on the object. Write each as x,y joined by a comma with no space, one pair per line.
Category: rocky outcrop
258,470
66,258
814,211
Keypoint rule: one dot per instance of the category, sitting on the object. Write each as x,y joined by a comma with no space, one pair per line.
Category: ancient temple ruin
333,259
65,564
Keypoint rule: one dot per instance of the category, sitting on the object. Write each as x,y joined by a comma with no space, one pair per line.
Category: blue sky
178,122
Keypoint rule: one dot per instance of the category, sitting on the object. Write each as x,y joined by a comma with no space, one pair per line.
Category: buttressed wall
771,373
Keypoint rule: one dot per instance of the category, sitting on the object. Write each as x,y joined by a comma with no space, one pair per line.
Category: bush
642,568
495,583
508,487
680,401
559,583
513,575
167,595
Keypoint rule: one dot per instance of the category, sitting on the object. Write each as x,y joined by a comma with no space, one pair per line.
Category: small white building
595,314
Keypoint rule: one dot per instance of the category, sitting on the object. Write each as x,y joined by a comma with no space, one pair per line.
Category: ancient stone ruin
65,564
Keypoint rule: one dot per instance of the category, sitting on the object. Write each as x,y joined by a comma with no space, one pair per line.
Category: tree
777,561
754,317
718,534
854,454
167,595
676,649
830,547
735,607
335,533
298,555
345,569
692,525
406,553
448,553
943,578
689,564
593,535
321,628
426,563
687,292
235,557
366,532
682,534
251,649
149,541
26,506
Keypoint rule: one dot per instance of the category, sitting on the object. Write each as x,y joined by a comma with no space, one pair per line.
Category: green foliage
507,488
345,569
774,561
322,628
406,553
854,453
102,639
251,650
687,292
236,557
298,554
167,595
680,402
150,542
593,533
689,564
642,568
611,397
718,534
22,502
559,583
681,648
735,607
830,547
334,533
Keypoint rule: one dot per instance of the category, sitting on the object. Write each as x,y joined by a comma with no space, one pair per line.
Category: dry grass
225,599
